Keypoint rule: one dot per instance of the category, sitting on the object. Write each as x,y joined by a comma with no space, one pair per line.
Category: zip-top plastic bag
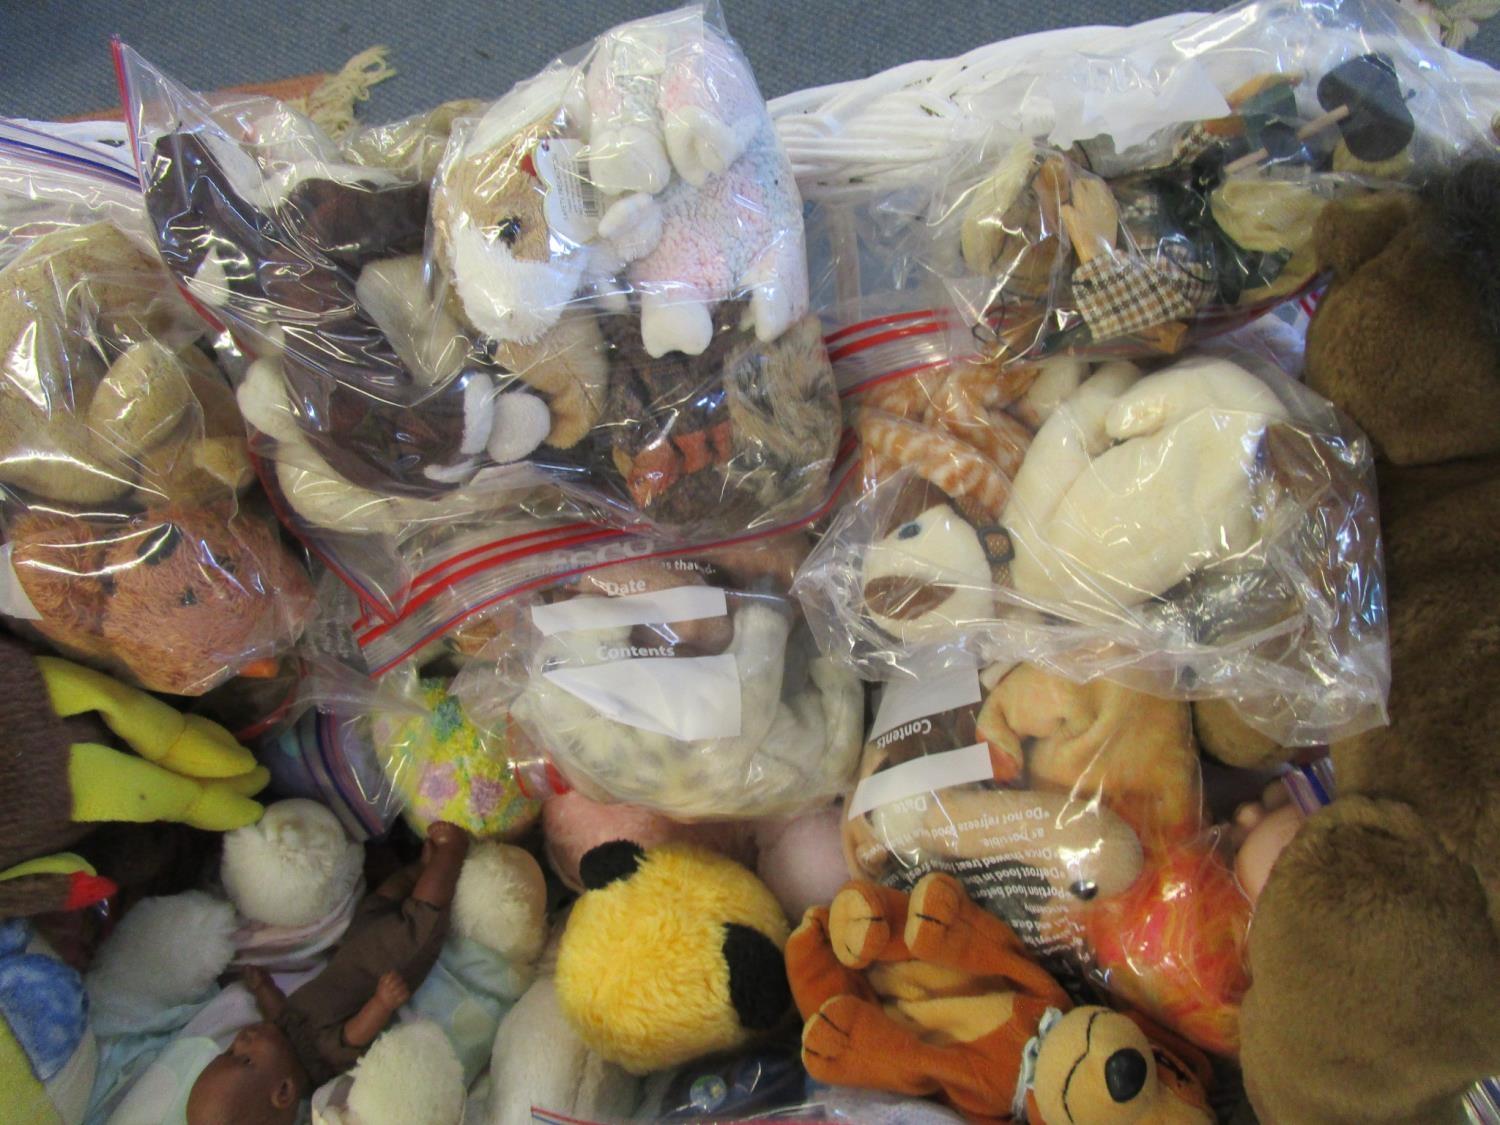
133,538
1077,813
1124,192
612,299
1202,527
683,680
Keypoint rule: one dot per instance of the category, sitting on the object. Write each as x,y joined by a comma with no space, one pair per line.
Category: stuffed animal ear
606,863
758,987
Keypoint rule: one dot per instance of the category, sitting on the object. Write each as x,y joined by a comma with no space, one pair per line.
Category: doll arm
362,1027
268,997
184,744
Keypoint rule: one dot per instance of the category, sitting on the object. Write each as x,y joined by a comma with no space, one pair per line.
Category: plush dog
1375,952
932,994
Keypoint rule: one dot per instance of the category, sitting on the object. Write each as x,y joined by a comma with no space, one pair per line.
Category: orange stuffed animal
932,994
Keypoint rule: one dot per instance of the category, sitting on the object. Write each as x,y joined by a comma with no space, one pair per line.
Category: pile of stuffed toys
441,585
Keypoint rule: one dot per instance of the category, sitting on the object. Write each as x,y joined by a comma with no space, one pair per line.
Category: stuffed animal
47,1051
669,955
1375,955
444,768
695,201
103,392
178,599
931,994
61,776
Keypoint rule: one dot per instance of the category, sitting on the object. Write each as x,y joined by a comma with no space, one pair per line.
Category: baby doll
323,1028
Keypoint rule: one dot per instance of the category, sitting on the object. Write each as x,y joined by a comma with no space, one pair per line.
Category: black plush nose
1125,1074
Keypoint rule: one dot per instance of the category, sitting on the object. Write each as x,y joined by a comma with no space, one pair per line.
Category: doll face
257,1081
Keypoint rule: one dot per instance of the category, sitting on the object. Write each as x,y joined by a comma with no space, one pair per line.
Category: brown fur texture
1375,953
176,599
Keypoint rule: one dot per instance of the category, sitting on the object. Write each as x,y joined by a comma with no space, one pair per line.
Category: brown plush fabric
387,934
1375,951
36,815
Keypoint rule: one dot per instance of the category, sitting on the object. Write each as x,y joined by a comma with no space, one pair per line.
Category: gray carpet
54,57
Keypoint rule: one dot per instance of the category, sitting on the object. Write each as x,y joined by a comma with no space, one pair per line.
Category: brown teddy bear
176,598
1375,949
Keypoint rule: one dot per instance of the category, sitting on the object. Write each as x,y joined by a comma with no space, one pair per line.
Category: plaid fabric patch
1119,295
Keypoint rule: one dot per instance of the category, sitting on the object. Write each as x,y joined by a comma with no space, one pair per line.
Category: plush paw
700,144
936,903
857,926
825,1038
219,808
522,422
628,159
632,228
675,324
204,749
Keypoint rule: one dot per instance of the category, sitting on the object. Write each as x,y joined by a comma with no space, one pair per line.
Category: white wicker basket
901,125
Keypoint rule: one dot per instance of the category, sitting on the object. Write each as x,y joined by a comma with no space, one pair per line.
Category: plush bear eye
509,230
909,530
188,599
1084,890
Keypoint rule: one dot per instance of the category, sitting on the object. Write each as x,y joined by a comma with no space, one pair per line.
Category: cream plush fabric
1134,483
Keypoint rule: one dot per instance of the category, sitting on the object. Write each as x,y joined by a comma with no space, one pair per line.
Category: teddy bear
105,396
929,993
1074,812
177,598
62,776
1374,955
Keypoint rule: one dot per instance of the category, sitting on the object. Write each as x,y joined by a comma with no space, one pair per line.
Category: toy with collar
669,955
933,995
61,776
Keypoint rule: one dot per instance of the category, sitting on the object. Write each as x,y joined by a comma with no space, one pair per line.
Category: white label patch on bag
937,684
654,607
689,698
571,203
13,599
922,775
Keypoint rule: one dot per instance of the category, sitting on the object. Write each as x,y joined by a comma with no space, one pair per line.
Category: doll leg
108,785
945,927
815,974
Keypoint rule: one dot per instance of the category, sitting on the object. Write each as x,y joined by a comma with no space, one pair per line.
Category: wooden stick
1316,125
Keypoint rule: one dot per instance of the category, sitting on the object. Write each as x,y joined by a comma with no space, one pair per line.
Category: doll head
257,1081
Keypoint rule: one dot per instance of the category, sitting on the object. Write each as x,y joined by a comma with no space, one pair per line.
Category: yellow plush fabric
110,786
641,970
184,744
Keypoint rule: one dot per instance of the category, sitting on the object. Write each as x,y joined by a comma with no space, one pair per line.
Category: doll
323,1028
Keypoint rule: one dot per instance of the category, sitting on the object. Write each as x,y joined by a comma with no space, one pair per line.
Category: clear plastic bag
682,680
1205,529
1125,191
665,372
133,538
1073,811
